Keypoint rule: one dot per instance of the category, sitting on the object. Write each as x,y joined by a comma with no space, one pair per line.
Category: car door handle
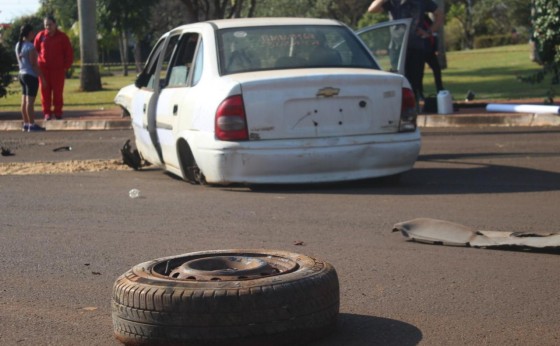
175,109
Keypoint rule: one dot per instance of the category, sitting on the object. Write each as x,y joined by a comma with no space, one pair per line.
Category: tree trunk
138,54
469,26
90,80
123,49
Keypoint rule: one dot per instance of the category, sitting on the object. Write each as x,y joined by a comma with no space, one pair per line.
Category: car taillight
408,111
231,122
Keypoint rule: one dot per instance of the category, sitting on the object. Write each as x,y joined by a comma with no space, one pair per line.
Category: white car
275,101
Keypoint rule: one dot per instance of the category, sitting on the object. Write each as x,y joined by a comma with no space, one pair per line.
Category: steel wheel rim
224,267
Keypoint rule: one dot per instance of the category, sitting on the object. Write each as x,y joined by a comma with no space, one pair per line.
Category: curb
72,125
491,120
423,121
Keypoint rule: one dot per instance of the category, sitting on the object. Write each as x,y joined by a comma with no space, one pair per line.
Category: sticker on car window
240,34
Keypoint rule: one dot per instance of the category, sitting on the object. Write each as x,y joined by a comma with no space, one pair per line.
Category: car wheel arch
189,168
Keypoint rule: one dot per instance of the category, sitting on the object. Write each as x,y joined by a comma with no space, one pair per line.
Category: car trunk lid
322,104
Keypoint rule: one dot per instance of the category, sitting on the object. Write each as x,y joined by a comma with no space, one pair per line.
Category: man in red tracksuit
55,58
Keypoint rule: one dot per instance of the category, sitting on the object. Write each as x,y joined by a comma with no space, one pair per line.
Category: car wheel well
189,167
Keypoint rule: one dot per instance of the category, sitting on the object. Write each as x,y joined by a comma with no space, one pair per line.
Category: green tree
64,11
546,25
546,35
486,17
128,18
11,35
201,10
7,56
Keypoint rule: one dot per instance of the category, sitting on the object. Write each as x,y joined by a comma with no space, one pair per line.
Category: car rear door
387,42
173,103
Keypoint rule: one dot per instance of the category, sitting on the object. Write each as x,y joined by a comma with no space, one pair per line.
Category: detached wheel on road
226,297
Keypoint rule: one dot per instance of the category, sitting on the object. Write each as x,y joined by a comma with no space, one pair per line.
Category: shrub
487,41
8,60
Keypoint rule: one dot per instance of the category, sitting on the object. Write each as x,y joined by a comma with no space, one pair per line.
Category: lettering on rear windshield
286,40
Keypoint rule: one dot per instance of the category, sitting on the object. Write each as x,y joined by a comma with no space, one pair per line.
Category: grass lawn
490,73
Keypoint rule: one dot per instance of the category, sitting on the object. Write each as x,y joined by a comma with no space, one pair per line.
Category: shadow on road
368,330
462,174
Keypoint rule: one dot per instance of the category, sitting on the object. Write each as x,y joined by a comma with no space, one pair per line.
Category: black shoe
35,128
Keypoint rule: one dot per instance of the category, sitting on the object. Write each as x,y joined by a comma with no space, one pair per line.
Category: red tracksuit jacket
55,52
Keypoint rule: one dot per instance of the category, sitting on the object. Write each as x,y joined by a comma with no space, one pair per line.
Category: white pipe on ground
512,108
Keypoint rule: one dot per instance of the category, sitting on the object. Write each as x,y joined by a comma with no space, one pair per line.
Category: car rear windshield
283,47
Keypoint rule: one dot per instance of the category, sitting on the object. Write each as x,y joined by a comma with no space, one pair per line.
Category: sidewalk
465,115
100,119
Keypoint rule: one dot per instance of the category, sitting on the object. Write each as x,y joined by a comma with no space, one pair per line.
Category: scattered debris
470,96
90,308
48,167
131,157
65,148
441,232
299,243
7,152
96,273
134,193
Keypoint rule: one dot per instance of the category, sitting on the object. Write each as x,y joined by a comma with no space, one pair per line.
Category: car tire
226,297
189,167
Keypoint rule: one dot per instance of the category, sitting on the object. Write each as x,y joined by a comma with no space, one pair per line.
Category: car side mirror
142,80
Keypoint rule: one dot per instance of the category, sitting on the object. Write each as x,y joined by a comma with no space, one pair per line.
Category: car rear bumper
308,161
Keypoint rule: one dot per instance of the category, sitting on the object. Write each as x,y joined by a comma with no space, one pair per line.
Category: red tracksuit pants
51,91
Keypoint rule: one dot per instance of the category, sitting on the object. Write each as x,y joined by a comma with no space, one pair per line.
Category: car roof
269,21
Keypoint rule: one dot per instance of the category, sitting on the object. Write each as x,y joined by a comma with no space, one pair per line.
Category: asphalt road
65,238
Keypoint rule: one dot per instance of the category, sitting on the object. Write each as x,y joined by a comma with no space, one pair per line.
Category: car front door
144,104
387,42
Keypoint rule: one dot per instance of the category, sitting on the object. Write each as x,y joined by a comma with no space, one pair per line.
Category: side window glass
146,77
168,55
182,63
387,42
198,64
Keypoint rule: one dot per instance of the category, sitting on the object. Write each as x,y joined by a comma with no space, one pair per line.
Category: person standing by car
28,76
431,57
55,58
415,54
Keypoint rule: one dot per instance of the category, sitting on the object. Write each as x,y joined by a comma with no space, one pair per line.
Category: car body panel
314,160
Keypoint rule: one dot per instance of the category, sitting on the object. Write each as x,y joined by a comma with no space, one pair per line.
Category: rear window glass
282,47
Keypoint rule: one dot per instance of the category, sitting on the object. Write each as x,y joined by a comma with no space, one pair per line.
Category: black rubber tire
190,168
289,308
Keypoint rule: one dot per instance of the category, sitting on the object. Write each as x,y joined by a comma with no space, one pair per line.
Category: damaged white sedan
275,101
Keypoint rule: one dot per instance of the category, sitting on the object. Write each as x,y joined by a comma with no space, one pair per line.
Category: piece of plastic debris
65,148
134,193
131,157
7,152
440,232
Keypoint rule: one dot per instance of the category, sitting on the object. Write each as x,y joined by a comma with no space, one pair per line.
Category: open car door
387,42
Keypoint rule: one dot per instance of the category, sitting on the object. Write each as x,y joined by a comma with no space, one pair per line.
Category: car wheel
226,297
191,172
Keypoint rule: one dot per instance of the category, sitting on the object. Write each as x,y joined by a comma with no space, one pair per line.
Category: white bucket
444,102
